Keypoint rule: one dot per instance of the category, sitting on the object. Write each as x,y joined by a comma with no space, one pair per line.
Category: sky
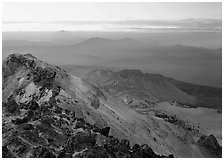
112,16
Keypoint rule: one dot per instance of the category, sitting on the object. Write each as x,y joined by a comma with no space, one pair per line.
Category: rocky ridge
48,113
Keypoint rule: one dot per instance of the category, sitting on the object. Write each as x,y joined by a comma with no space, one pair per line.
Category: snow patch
21,81
46,97
78,84
30,90
125,100
77,153
65,94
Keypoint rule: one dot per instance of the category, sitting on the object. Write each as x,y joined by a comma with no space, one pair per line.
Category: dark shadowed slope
206,96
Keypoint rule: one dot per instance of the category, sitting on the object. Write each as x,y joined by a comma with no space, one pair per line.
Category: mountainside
210,97
49,113
128,83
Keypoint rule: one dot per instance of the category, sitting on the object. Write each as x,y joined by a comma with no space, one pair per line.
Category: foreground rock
210,144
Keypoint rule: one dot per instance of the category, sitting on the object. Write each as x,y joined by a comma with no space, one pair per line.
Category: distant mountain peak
98,39
131,72
105,40
127,39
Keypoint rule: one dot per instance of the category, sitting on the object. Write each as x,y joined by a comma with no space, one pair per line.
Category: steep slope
49,113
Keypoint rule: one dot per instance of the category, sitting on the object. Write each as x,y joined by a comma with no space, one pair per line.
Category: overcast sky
112,16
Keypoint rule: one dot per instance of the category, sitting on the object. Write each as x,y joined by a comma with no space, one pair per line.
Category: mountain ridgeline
155,87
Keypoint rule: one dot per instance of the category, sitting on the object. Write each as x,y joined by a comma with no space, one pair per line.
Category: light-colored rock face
78,85
46,97
30,90
160,125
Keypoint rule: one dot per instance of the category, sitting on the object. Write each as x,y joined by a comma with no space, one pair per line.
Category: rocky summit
48,113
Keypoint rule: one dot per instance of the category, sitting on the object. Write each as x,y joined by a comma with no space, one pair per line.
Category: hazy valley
194,63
